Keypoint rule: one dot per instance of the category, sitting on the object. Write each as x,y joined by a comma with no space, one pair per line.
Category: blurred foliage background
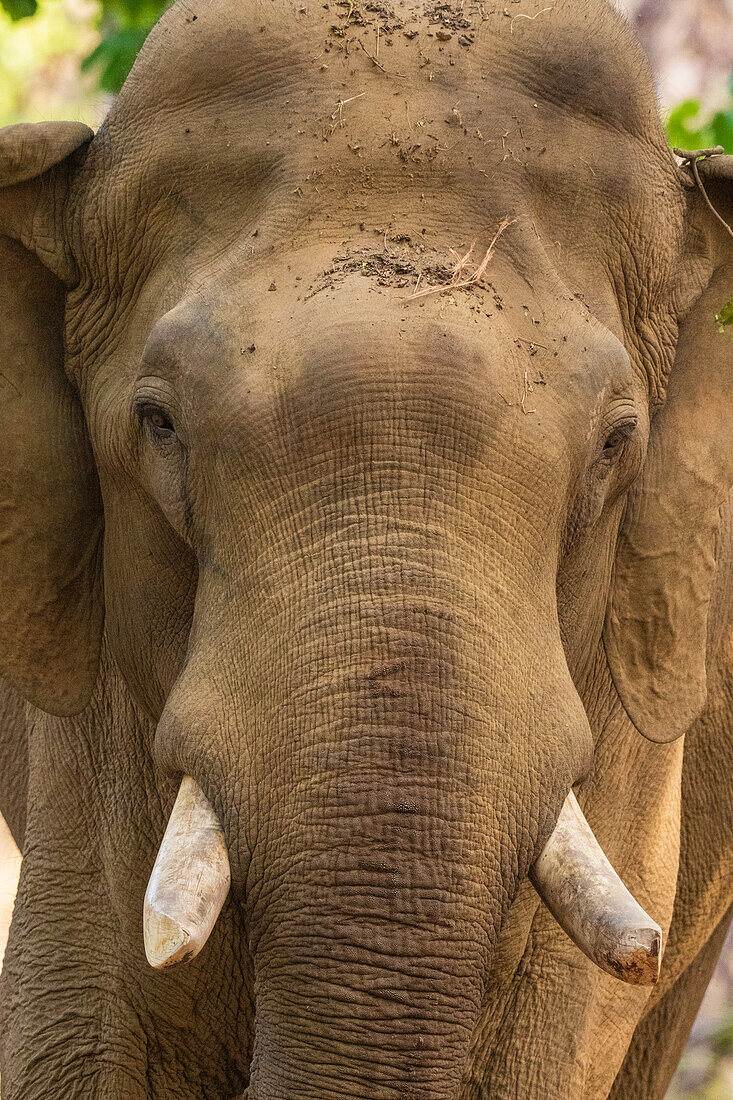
68,58
690,126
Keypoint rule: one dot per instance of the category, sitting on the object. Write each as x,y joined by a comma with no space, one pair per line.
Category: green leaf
132,14
688,127
721,1041
680,133
725,316
114,57
20,9
124,24
722,127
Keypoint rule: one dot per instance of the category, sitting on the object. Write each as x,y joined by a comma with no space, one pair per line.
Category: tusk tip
638,959
166,942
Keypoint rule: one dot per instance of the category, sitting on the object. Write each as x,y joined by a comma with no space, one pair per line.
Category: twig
456,282
340,108
461,262
379,64
532,343
691,158
530,17
527,390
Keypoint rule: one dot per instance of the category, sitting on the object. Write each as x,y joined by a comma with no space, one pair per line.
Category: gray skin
386,574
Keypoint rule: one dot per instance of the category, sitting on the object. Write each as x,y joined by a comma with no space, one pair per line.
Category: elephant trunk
370,964
382,1027
401,748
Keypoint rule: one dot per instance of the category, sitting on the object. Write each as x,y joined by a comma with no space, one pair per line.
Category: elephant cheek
148,630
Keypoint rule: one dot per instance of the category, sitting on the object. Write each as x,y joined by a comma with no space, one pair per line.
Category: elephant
367,564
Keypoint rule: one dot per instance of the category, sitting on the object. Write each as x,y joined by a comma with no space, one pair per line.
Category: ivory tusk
189,881
590,902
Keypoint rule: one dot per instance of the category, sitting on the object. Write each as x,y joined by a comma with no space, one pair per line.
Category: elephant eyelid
155,418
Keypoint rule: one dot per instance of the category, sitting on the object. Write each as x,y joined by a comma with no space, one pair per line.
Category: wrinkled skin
359,547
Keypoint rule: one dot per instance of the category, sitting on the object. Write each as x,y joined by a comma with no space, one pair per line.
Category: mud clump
370,14
387,267
450,19
387,18
397,268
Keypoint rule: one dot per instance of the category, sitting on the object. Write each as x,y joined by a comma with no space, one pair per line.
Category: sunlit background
66,59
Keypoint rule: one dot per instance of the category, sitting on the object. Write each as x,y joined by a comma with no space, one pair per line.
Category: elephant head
359,518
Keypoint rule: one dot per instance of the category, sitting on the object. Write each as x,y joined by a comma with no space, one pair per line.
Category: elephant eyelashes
156,421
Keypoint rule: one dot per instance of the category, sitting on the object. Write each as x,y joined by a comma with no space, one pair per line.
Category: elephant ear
655,632
50,513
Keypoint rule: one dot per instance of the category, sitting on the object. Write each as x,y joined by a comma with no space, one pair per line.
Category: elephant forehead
578,53
240,102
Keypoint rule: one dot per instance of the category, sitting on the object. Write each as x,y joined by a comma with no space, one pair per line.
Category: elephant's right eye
156,421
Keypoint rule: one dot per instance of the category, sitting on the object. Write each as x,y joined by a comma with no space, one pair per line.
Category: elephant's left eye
156,420
617,439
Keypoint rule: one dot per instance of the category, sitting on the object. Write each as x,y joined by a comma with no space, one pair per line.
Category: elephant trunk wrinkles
370,983
383,1040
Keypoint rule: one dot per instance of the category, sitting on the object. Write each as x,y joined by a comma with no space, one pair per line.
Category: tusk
590,902
189,882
